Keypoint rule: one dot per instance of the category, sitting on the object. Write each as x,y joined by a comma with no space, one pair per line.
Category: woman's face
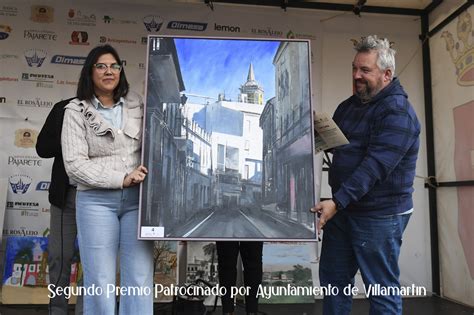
106,81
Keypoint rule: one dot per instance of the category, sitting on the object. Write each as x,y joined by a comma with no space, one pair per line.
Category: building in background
288,179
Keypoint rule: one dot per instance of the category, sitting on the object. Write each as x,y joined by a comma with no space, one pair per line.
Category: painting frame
230,167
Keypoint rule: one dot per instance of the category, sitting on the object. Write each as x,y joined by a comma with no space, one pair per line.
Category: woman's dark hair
85,87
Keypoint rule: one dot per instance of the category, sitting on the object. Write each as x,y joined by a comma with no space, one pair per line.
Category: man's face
368,78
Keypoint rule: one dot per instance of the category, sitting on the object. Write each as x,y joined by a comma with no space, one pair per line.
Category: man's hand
326,210
135,177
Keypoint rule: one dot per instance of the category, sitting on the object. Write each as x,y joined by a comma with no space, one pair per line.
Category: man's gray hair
386,54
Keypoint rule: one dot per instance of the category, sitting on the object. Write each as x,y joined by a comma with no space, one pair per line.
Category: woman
101,141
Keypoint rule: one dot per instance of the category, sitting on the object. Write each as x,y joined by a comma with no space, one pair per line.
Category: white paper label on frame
152,231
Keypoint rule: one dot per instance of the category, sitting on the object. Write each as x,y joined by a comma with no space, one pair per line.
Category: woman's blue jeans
369,243
107,222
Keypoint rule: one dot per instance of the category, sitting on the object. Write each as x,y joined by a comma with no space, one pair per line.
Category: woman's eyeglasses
102,67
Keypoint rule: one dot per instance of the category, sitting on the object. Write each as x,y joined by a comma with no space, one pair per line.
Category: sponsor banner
187,26
113,20
24,208
226,28
35,102
22,231
37,77
68,60
25,138
42,80
42,14
40,35
19,184
153,23
35,57
66,82
80,18
295,35
104,39
79,38
25,160
8,79
8,57
43,186
267,31
8,10
5,31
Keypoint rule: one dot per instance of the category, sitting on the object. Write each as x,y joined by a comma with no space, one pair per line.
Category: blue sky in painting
213,66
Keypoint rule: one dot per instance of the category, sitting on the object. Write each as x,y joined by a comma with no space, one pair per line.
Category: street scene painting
285,264
165,265
26,262
26,270
227,140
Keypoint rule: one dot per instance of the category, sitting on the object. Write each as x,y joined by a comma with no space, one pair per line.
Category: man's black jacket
49,146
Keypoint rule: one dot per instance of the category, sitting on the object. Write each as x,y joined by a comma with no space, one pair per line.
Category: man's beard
368,92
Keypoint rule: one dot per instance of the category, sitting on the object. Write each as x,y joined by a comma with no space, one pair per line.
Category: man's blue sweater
374,173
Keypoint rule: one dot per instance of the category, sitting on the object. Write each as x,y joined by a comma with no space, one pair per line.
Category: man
62,196
372,182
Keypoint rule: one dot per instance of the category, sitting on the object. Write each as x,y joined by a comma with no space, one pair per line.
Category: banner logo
39,35
42,14
36,102
68,60
24,161
7,10
43,186
267,32
103,39
8,79
36,77
35,57
226,28
20,232
5,31
293,35
80,19
152,23
79,38
19,184
25,138
187,26
26,208
8,56
110,20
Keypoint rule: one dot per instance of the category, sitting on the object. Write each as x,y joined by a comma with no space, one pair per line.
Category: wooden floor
418,306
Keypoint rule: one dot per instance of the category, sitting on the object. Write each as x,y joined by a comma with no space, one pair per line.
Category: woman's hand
135,177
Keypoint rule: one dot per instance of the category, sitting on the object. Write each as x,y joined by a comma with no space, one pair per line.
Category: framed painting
26,271
227,140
